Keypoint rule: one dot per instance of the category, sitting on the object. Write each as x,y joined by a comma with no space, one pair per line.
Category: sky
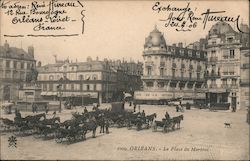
115,29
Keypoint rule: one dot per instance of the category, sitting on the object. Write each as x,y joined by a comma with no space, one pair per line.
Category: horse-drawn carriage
168,124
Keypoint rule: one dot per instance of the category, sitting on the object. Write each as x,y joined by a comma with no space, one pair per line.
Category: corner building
171,72
15,66
223,69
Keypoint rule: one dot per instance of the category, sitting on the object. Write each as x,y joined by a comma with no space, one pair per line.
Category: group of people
139,107
104,122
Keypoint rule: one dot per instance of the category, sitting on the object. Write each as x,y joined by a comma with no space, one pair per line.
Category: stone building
87,82
244,68
15,66
244,78
223,69
171,72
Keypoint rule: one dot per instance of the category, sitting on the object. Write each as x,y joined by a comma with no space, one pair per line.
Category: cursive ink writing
42,15
180,18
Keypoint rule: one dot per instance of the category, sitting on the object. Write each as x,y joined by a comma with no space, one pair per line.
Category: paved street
202,136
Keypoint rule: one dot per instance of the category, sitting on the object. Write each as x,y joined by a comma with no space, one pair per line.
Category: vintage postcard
124,80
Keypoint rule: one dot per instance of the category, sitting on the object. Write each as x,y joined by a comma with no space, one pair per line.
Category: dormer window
198,54
182,52
190,53
230,39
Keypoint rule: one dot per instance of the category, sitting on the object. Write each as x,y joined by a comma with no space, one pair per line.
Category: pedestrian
85,110
33,107
143,113
177,108
134,107
167,116
54,114
102,124
46,108
107,126
18,114
188,107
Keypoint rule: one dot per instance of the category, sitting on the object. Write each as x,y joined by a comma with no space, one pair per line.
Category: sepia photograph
124,80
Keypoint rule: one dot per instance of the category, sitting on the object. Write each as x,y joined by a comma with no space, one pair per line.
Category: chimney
180,45
174,45
97,58
31,51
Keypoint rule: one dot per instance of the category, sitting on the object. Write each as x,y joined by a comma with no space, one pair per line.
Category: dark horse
177,121
91,125
150,118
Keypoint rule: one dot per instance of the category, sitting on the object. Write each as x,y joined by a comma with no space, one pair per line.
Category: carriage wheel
173,127
154,127
138,127
164,129
37,136
68,138
58,140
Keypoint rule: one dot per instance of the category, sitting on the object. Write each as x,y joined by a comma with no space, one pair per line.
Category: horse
7,123
90,126
150,118
177,121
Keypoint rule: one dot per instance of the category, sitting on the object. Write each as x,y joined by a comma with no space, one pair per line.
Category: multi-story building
244,68
223,68
171,72
15,65
244,78
87,82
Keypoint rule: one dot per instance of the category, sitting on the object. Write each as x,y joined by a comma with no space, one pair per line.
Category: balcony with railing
212,75
149,63
213,59
213,86
178,78
245,82
225,86
245,66
234,86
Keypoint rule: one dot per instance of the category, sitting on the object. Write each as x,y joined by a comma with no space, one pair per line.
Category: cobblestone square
202,136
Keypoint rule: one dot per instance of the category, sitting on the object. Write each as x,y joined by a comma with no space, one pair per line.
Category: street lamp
60,97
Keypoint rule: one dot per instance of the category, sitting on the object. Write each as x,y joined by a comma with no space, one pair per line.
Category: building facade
223,68
15,66
87,82
244,78
171,72
245,67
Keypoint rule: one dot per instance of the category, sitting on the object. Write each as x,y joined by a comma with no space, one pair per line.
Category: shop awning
43,93
48,93
127,95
